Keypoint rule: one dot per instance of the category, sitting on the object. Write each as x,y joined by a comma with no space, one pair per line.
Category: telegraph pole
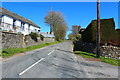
98,29
51,20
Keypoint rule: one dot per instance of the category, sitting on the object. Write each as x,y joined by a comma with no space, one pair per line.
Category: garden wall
48,39
106,51
13,40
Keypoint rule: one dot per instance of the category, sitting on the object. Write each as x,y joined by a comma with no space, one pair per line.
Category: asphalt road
55,61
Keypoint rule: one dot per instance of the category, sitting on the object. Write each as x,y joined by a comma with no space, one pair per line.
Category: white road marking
75,57
30,67
51,52
33,64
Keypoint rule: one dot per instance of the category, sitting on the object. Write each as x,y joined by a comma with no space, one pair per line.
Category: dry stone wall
30,42
12,40
106,51
47,40
110,52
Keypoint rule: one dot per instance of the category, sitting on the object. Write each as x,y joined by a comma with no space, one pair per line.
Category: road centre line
33,65
51,52
30,67
75,57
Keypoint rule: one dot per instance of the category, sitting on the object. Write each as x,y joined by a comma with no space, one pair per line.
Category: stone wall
47,40
12,40
30,42
106,51
110,52
84,46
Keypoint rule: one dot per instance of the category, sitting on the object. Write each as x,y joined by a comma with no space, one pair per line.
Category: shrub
34,36
78,36
108,32
42,37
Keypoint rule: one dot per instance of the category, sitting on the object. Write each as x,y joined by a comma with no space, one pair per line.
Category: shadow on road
64,69
65,51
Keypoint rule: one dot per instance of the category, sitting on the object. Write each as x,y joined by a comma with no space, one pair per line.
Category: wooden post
98,28
51,20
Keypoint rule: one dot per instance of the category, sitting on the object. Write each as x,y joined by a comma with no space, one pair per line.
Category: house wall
18,24
7,19
9,26
37,29
32,28
25,31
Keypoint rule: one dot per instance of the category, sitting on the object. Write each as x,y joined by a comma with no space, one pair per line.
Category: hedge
108,32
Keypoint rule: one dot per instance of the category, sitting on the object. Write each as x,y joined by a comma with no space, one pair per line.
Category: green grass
102,59
12,51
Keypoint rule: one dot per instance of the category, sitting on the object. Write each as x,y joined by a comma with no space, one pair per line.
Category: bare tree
57,24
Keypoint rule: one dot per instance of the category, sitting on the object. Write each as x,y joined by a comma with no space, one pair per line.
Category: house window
8,25
35,30
5,25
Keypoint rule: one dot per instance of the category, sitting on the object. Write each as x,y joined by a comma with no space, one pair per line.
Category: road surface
55,61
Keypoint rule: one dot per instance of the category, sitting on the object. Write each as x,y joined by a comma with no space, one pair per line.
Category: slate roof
18,17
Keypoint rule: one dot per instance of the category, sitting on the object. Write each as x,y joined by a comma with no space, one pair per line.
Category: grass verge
12,51
111,61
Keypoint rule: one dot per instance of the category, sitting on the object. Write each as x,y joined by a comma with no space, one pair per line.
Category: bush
78,36
108,32
34,36
42,37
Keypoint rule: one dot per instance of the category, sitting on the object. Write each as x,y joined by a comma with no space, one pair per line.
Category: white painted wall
37,29
18,23
7,19
32,28
26,28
